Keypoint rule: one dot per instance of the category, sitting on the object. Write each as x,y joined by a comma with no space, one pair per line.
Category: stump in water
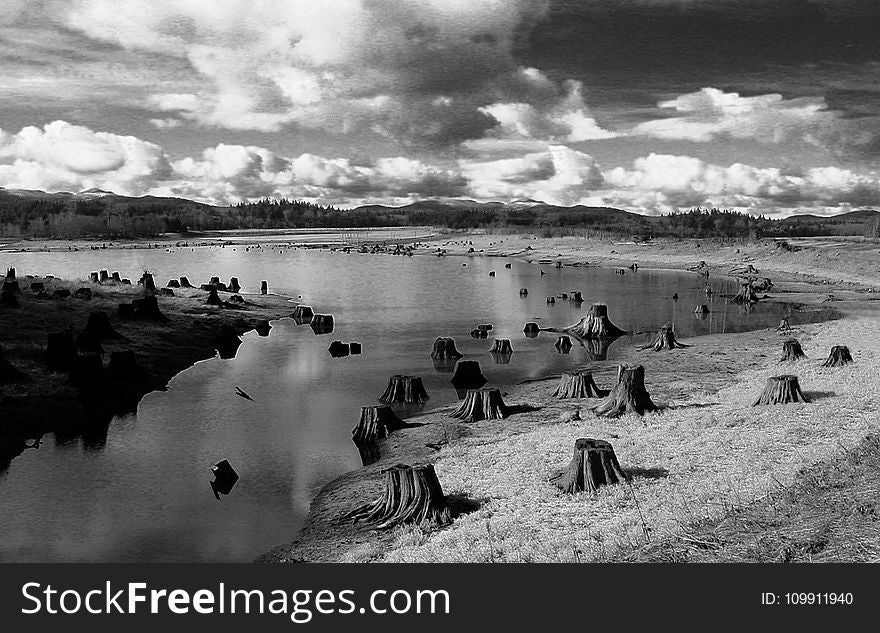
225,478
746,293
596,324
575,296
60,349
628,395
264,287
263,327
100,327
468,375
563,345
523,292
412,496
531,330
184,283
234,286
593,464
665,339
484,326
501,346
8,373
578,384
148,308
478,333
838,357
481,404
376,423
445,348
406,389
781,390
321,323
227,342
302,314
551,300
507,265
491,273
791,350
354,348
338,349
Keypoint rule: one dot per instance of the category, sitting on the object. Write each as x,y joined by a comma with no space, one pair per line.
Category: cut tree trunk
578,384
213,297
478,333
665,339
376,423
531,330
523,292
838,357
100,327
184,283
468,375
593,464
501,346
563,345
354,348
746,293
445,348
93,277
148,308
481,404
234,286
173,283
628,395
322,323
264,287
412,496
781,390
147,282
406,389
576,297
302,314
596,324
338,349
791,350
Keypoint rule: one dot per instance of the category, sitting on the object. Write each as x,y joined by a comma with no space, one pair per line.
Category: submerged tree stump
412,496
376,423
781,390
838,357
468,375
445,348
746,293
322,323
665,339
563,345
575,297
596,324
481,404
338,349
578,384
628,395
523,292
791,350
478,333
406,389
501,346
531,330
593,464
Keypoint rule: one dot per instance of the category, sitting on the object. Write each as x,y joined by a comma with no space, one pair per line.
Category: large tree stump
578,384
338,349
322,323
184,282
478,333
563,345
481,404
148,308
264,287
302,314
104,276
412,496
575,296
213,297
781,390
596,324
93,277
234,286
628,395
468,375
406,389
116,278
501,346
173,283
227,341
593,464
60,350
376,423
665,339
99,325
791,350
8,373
838,357
147,282
225,478
551,300
355,348
444,348
746,293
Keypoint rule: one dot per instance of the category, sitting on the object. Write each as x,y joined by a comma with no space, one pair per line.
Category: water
144,493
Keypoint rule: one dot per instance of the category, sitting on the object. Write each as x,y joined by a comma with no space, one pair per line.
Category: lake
143,492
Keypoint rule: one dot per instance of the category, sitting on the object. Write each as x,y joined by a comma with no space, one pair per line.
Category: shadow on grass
813,396
647,473
522,408
461,504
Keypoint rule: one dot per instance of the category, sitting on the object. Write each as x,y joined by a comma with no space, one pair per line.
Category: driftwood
468,375
104,276
370,453
338,349
93,277
412,496
406,389
563,345
481,404
595,325
445,348
838,357
628,395
781,390
501,346
665,339
578,384
791,350
746,294
8,373
376,423
322,323
593,464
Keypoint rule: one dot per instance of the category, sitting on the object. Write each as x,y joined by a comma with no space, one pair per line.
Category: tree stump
578,384
838,357
484,326
263,327
234,286
104,276
38,287
147,282
507,265
563,345
213,297
665,339
596,324
227,341
445,348
338,349
575,296
551,300
264,287
406,389
481,404
354,348
93,277
83,293
501,346
302,314
593,464
523,292
491,273
184,283
369,452
148,308
60,350
412,496
376,423
115,277
173,283
531,330
225,478
628,395
791,350
322,323
8,373
781,390
478,333
10,273
100,327
746,293
468,375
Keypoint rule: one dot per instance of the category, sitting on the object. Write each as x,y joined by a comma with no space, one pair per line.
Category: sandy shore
708,451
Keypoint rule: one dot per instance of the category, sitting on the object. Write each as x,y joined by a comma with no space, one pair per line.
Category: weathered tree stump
227,341
83,293
468,375
94,277
173,283
484,326
338,349
628,395
593,464
8,373
99,326
322,323
234,286
501,346
412,496
523,292
478,333
376,423
746,293
147,282
792,350
596,324
215,281
10,273
213,297
575,296
264,287
491,273
60,349
302,314
115,277
184,283
263,327
665,339
104,276
551,300
354,348
445,348
148,308
781,390
783,326
838,357
406,389
563,345
370,453
481,404
531,330
578,384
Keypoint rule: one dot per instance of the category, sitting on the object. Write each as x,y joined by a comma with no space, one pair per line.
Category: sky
767,106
